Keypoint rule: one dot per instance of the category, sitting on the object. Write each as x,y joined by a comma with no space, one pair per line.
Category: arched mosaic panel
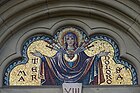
70,56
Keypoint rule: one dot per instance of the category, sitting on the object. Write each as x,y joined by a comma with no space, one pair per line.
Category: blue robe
56,70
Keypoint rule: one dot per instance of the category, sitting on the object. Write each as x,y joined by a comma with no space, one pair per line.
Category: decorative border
47,37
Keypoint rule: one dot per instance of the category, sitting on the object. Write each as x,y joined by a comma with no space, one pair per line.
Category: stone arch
122,18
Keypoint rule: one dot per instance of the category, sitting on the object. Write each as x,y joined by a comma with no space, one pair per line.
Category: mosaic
69,56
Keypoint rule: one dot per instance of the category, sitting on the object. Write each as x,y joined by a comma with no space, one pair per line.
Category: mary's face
70,40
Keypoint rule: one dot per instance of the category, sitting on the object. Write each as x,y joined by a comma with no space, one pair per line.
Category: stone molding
23,18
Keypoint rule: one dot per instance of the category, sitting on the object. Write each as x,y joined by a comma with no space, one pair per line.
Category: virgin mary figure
71,66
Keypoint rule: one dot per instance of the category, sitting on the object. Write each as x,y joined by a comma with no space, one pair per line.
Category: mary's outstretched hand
36,53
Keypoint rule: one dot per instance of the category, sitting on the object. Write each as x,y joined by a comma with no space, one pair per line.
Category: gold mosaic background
18,77
28,74
115,74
